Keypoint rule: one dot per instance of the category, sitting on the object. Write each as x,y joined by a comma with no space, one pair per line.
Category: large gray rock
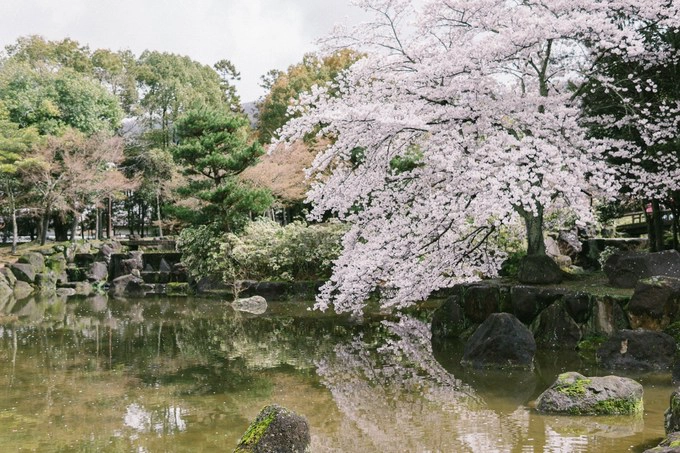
637,350
554,329
23,272
98,272
35,259
9,276
539,270
5,291
625,269
448,321
502,341
672,415
275,430
575,394
255,305
22,290
129,285
655,303
528,301
608,316
479,301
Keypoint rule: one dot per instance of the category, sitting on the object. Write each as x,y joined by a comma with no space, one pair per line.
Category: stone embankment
87,269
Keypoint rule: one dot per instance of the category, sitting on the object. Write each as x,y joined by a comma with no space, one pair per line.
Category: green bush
263,251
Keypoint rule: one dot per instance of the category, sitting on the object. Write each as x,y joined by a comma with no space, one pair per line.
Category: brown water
174,375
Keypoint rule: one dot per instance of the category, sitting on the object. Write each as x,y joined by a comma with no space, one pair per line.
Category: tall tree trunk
44,225
158,211
533,223
74,227
97,222
657,222
15,227
109,224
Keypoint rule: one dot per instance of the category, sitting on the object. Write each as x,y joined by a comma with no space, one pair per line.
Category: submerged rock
502,341
255,305
637,350
275,430
574,394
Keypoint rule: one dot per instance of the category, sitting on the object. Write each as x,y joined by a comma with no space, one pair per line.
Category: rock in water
575,394
637,350
255,305
275,430
502,341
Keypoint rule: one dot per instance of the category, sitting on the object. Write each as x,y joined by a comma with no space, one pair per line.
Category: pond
188,375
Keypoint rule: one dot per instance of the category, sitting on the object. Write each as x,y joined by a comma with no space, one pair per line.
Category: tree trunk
74,227
97,225
158,211
15,228
534,228
109,224
657,222
44,225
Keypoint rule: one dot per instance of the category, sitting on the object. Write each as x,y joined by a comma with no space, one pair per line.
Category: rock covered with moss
275,430
575,394
670,444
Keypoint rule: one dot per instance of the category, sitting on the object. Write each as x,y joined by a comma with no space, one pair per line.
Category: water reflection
94,374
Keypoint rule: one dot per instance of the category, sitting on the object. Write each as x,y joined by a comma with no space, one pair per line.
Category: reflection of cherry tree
395,396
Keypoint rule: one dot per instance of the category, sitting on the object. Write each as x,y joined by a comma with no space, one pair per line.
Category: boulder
502,341
579,306
255,305
36,260
22,290
83,289
129,285
9,276
554,329
655,303
671,444
23,272
608,316
5,291
66,292
672,414
539,269
575,394
479,301
98,272
448,321
528,301
625,269
637,350
164,266
58,265
275,430
129,265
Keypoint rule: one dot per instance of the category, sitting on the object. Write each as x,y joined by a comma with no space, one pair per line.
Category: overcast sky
256,35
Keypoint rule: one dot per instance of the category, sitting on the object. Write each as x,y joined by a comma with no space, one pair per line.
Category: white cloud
256,35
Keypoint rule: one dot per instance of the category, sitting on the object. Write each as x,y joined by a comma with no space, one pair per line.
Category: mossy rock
575,394
275,429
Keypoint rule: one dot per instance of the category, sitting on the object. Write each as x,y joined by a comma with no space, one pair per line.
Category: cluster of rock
84,270
504,325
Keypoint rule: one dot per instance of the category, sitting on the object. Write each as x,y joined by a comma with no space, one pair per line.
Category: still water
178,375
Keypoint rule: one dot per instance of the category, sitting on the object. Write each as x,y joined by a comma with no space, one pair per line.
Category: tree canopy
477,97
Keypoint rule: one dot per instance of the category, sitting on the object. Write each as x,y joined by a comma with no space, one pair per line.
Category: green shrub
263,251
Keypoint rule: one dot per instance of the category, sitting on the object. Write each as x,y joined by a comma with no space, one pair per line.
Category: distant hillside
250,109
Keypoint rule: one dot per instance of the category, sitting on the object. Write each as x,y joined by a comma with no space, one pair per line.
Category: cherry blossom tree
464,117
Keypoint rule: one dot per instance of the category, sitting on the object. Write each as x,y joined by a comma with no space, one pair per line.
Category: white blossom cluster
461,116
